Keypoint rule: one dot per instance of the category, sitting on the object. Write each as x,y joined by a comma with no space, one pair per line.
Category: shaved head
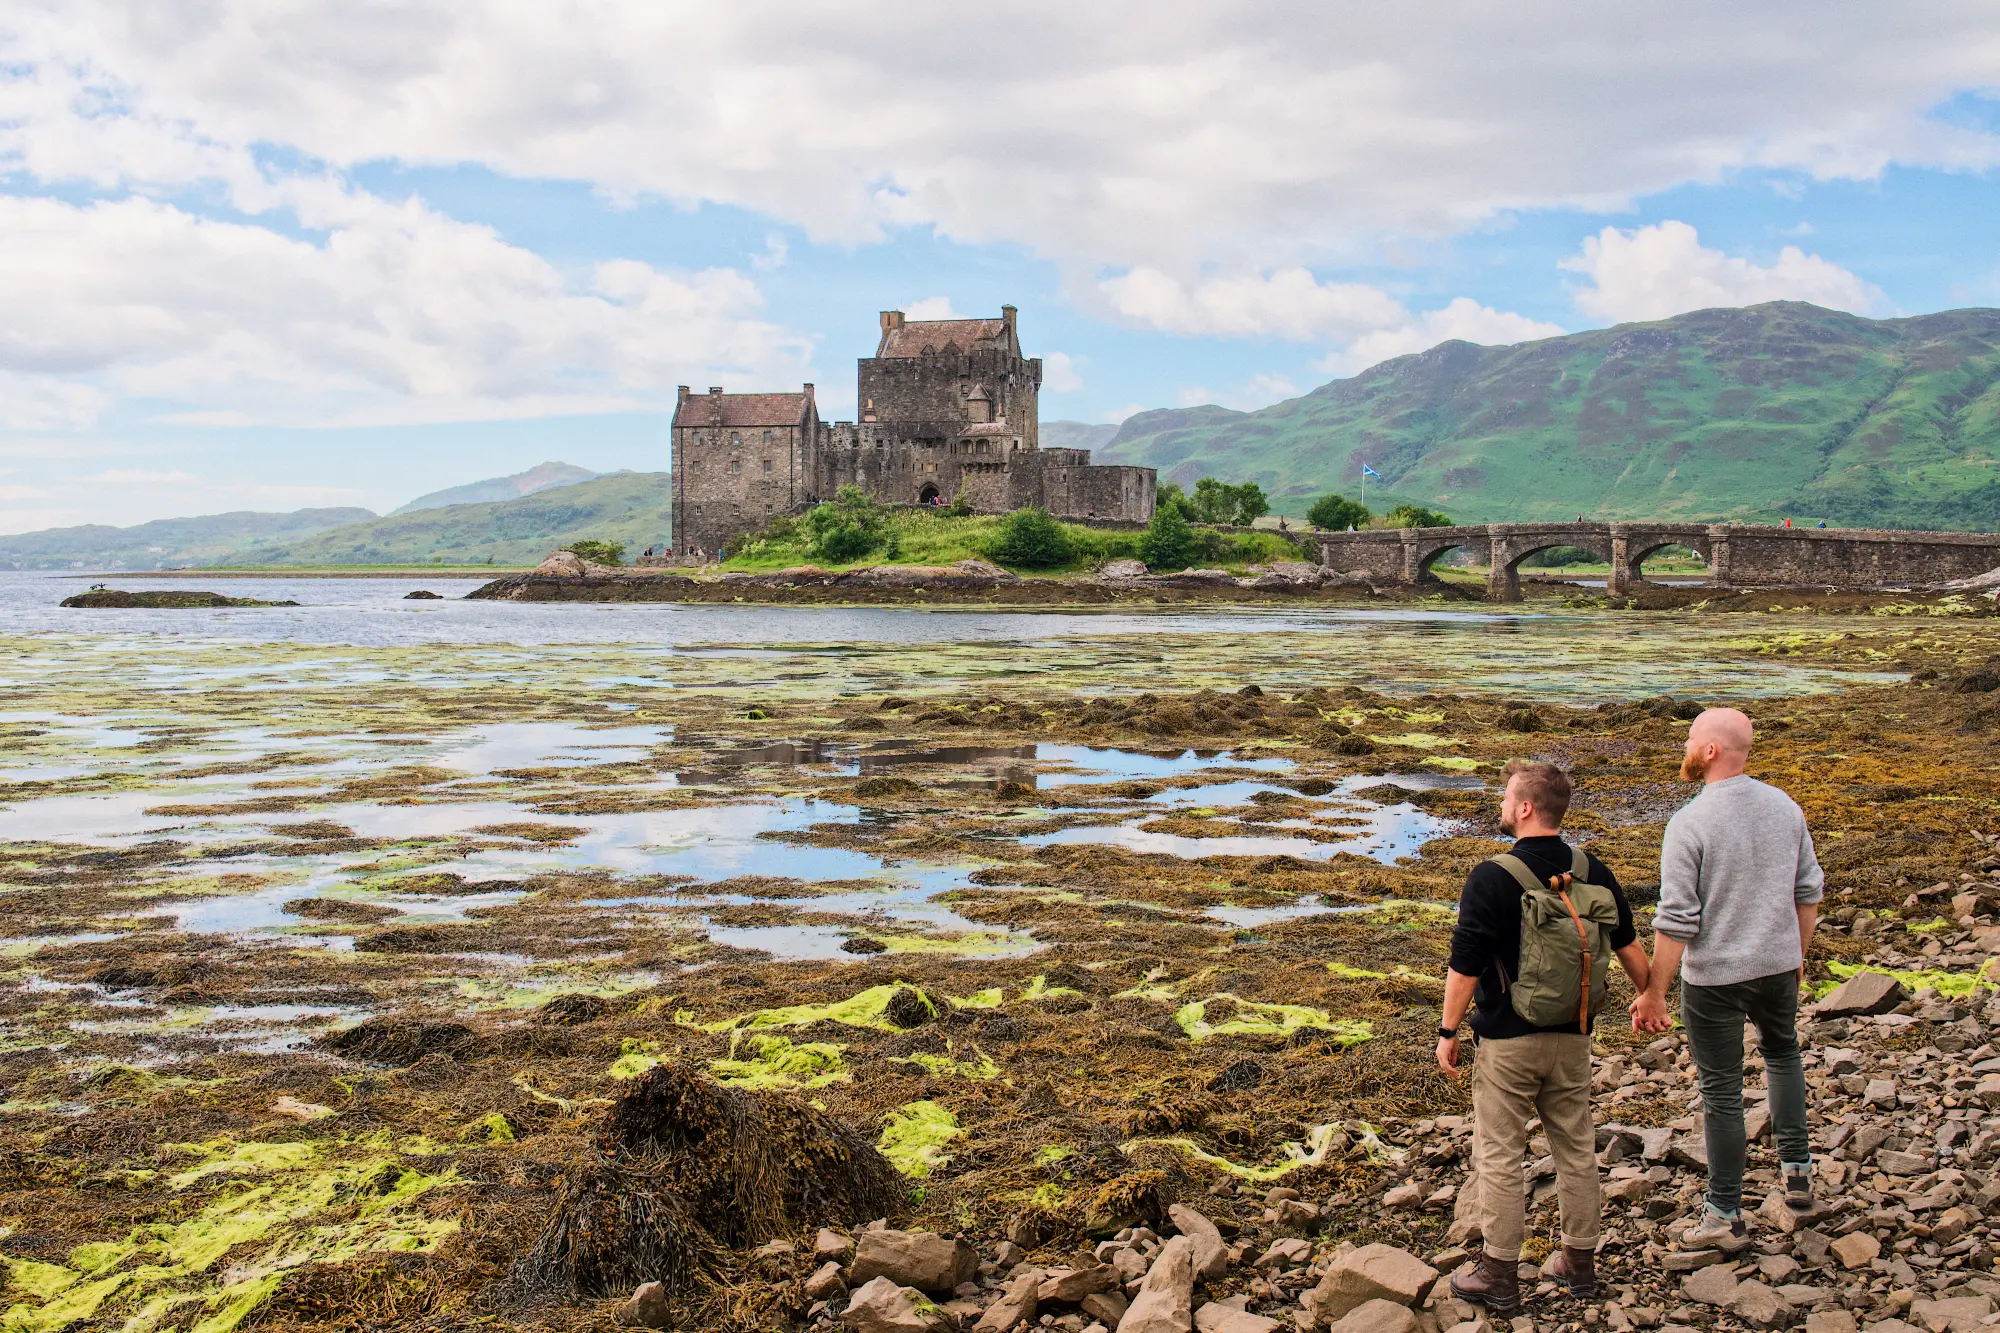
1718,743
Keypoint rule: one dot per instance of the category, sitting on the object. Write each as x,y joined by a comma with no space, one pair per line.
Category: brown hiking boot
1575,1269
1491,1283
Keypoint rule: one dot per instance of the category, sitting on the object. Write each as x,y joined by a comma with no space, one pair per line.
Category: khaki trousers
1513,1080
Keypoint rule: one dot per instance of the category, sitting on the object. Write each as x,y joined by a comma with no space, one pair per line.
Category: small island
120,599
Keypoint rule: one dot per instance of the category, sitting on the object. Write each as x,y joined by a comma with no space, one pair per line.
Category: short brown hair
1544,786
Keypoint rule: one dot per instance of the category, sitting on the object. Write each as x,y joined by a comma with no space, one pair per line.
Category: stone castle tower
947,407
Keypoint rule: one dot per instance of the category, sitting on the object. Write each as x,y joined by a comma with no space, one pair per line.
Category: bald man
1739,895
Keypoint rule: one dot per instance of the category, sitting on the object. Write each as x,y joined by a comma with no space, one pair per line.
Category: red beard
1694,767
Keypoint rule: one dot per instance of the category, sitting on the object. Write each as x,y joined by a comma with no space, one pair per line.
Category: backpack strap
1579,865
1518,868
1583,940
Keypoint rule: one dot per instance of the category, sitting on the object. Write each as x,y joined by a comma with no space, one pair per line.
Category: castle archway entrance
928,495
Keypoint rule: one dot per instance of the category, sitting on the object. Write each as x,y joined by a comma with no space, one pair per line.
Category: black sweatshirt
1488,935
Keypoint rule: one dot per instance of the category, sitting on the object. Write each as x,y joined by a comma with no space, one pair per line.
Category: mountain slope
165,542
632,507
541,477
1075,434
1748,415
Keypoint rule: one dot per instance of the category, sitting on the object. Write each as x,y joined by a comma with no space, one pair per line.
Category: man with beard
1739,895
1524,1068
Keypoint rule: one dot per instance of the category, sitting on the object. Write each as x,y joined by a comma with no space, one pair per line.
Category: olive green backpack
1566,929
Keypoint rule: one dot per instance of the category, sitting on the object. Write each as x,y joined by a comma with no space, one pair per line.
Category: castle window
767,437
734,438
697,465
767,462
735,465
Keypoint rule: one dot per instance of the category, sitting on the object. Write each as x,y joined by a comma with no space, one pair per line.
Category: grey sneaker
1798,1185
1716,1232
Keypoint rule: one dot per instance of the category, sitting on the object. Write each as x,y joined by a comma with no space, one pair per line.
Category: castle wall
731,476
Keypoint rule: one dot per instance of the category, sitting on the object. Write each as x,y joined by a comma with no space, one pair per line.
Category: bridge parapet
1737,555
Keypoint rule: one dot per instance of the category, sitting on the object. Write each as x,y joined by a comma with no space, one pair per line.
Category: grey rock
1211,1256
921,1259
1958,1314
1286,1253
1377,1317
1373,1272
1830,1321
1904,1163
1165,1303
1067,1286
880,1306
1862,993
647,1306
1124,569
1218,1318
1714,1285
1107,1307
1755,1303
1018,1303
825,1282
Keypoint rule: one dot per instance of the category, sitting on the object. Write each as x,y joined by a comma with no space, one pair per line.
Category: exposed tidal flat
328,933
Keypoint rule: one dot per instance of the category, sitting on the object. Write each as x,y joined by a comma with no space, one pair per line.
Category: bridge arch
1424,554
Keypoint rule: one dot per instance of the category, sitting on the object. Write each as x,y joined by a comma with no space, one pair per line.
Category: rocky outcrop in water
121,599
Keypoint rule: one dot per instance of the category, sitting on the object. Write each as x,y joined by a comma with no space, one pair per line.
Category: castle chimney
891,319
809,391
1007,313
715,389
683,391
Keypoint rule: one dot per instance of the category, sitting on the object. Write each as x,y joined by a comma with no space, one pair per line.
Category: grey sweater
1737,860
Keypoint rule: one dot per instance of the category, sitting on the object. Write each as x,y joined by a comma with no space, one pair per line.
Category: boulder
831,1244
1019,1301
825,1282
1862,993
1904,1163
562,565
1406,1195
1373,1272
1714,1285
1758,1305
921,1259
1165,1303
880,1306
1069,1286
1831,1321
1857,1249
1124,569
1211,1256
1218,1318
1377,1317
1960,1314
646,1307
1286,1253
981,569
1106,1307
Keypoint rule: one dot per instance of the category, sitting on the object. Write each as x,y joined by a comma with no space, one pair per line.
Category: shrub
1336,513
1219,502
846,527
1169,542
1415,516
603,553
960,506
1171,496
1557,556
1030,539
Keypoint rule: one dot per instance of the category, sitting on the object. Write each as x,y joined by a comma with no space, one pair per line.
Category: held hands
1448,1055
1649,1012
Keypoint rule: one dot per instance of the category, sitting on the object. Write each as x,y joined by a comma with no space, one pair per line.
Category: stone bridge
1737,555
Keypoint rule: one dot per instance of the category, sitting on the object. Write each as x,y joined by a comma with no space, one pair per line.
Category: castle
948,406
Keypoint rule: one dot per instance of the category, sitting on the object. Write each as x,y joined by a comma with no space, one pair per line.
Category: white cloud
1664,270
38,402
1060,373
1121,134
140,477
1464,319
398,314
1290,303
931,307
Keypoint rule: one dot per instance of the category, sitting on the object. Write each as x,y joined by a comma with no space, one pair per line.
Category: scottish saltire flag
1367,471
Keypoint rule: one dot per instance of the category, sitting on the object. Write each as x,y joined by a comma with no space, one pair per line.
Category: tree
960,506
1169,542
1337,513
1251,503
1171,496
1030,539
597,552
846,527
1416,516
1214,501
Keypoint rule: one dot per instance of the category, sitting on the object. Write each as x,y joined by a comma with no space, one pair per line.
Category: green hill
632,507
541,477
165,542
1747,415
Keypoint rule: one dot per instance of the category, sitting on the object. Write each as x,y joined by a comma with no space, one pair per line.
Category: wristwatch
1447,1032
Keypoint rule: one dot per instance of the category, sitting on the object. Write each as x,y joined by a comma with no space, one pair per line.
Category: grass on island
916,538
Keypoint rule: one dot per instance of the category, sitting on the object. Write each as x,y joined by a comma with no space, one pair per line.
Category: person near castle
1740,888
1531,1025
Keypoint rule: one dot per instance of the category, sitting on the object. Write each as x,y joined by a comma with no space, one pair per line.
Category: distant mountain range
541,477
165,542
632,507
1738,414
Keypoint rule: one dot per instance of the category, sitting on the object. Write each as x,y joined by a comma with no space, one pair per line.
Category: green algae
915,1137
38,1279
637,1056
230,1157
771,1062
979,1070
1257,1018
1356,973
1956,985
1038,988
966,944
1321,1142
864,1009
990,998
489,1128
1451,763
499,995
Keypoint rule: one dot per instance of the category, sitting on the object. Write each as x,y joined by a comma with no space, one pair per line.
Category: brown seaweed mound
683,1168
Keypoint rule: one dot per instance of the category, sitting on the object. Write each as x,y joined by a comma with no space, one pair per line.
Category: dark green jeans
1713,1017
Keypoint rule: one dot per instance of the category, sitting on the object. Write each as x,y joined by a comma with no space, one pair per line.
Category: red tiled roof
911,339
741,409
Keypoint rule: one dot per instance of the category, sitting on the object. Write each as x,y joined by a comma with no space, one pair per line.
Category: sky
269,254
